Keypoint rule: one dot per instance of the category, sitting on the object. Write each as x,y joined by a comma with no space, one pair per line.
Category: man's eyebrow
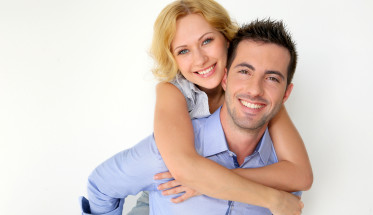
198,40
269,72
245,65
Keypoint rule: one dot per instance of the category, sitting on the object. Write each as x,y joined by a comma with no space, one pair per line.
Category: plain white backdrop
76,87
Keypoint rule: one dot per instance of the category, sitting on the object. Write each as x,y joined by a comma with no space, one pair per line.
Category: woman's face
200,51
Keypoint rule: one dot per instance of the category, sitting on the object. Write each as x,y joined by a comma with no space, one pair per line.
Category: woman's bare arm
174,137
293,172
290,149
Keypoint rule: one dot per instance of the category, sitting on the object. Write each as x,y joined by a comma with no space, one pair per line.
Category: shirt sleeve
126,173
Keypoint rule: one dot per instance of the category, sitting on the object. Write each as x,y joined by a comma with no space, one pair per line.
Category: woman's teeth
206,71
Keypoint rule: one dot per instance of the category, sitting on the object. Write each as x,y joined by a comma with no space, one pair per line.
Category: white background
76,87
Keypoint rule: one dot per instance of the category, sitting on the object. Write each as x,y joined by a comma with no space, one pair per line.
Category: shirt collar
215,141
264,147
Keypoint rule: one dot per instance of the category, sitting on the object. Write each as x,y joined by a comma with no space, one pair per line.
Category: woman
191,58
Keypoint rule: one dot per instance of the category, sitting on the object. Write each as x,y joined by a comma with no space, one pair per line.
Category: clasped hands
174,187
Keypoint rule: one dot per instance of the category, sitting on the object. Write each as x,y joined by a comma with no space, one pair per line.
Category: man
261,63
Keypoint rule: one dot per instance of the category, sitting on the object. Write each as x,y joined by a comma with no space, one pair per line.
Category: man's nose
255,86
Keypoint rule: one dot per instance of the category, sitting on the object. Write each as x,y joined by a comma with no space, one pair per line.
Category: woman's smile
206,72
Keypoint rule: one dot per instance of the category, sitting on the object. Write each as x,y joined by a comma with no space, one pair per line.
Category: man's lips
252,105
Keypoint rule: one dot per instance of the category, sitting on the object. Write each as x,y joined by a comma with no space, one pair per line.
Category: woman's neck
215,96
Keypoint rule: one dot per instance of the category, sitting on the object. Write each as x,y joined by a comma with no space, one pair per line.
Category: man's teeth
251,105
206,71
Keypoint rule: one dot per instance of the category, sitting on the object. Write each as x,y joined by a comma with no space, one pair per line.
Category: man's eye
184,51
274,79
243,71
206,41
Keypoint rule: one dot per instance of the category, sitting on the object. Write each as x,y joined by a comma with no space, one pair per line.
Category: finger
301,204
168,185
179,199
182,198
162,175
173,191
189,193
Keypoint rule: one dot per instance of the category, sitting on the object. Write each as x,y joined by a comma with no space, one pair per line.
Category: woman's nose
200,58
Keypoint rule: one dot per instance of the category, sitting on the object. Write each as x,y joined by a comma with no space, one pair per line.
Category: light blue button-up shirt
132,171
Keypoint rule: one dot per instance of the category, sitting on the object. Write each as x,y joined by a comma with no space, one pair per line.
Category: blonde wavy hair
166,68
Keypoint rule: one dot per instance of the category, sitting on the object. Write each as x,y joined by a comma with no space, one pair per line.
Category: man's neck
240,141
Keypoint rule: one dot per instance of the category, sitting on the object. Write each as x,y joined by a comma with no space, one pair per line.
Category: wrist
274,199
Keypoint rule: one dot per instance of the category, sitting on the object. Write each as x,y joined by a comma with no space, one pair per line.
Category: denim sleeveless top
197,101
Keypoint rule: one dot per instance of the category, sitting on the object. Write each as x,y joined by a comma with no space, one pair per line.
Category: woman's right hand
174,187
286,204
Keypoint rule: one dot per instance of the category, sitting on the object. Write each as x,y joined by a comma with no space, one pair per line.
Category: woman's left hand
174,187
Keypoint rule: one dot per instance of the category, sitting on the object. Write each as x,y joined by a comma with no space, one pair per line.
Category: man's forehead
259,53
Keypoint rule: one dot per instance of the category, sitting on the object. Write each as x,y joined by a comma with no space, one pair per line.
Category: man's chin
249,124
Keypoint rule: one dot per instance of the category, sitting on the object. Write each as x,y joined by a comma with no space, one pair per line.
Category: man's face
255,87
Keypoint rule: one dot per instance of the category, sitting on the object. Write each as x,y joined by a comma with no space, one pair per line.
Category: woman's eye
184,51
207,41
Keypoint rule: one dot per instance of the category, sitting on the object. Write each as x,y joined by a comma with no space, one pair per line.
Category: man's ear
224,81
287,92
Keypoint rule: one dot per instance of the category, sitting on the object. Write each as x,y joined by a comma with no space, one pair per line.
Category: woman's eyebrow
200,38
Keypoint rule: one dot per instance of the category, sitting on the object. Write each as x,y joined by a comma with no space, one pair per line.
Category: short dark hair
266,31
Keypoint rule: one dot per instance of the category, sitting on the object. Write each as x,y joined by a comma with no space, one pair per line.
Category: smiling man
261,64
258,83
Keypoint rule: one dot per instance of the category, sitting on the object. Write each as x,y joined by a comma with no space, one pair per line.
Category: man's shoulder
199,121
148,144
199,124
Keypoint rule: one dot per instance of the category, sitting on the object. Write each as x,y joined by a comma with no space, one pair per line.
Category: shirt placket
237,165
